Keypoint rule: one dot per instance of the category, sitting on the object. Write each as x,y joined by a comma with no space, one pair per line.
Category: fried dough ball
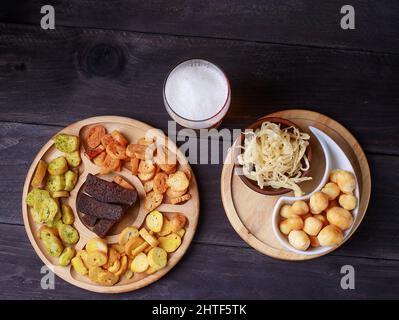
345,181
330,236
300,208
322,218
314,242
286,211
299,239
332,190
347,201
333,203
318,202
334,175
293,223
312,226
340,217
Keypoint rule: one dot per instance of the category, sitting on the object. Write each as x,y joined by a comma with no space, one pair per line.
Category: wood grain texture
303,22
70,74
376,237
264,278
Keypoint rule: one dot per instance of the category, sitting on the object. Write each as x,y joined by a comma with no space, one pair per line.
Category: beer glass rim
204,61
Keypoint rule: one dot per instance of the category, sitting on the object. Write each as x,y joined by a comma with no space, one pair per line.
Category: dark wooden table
111,57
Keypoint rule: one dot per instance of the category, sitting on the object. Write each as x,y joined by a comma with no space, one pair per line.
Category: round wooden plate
132,130
250,213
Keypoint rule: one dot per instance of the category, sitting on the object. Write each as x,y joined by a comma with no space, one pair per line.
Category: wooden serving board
132,130
250,213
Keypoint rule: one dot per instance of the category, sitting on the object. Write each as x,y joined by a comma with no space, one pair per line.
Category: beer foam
196,90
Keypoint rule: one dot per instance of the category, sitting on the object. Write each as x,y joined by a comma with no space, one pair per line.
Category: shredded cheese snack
273,157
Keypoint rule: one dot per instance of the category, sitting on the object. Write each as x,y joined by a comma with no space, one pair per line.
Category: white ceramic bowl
335,158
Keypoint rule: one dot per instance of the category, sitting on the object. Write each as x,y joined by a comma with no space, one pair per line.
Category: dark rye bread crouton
88,221
110,192
103,226
101,210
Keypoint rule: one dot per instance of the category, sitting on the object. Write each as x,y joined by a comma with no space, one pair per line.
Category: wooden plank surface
243,273
376,237
69,74
303,22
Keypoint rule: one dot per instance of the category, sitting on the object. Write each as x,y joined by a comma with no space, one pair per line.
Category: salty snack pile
137,251
104,203
155,166
276,157
51,184
321,221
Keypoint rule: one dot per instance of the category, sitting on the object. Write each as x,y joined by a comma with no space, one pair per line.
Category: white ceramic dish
335,158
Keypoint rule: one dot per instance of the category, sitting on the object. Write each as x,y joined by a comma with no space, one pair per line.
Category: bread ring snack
144,177
153,242
160,182
123,267
102,277
170,243
132,244
97,244
116,150
79,266
178,181
180,199
154,221
177,221
94,135
127,234
122,182
175,194
157,258
106,140
39,175
146,166
96,258
152,201
142,247
110,164
166,227
134,165
119,138
138,151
